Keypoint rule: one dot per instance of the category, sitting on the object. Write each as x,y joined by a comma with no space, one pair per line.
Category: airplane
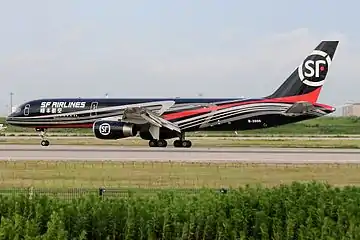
160,119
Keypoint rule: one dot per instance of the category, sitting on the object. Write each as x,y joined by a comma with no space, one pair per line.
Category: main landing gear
182,143
177,143
157,143
42,132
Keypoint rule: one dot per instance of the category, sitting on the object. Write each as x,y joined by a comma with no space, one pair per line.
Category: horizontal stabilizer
299,108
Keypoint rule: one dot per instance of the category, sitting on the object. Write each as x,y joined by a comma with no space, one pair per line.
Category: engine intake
113,129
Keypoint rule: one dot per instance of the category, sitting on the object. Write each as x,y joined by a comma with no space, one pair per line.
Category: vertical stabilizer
306,82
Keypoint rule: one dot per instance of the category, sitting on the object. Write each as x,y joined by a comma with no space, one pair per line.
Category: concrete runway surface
245,154
343,138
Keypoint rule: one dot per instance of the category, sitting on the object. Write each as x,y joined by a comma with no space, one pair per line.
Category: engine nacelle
113,129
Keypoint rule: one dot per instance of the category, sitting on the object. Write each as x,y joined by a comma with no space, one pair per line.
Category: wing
299,108
141,115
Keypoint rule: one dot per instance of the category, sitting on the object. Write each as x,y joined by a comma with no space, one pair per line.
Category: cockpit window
17,110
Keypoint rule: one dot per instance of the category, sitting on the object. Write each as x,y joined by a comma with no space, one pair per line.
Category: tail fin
305,83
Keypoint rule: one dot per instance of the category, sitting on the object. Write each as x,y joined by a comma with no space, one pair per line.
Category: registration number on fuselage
254,121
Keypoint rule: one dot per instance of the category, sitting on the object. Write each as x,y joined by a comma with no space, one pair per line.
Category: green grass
108,174
323,125
296,211
288,208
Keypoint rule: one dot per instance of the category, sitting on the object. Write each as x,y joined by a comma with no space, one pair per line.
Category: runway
195,154
325,137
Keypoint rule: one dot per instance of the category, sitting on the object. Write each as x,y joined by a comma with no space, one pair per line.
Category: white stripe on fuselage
164,105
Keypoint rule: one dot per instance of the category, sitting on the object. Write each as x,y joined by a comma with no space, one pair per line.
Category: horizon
174,49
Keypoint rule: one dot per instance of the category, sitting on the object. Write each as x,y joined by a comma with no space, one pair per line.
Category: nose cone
16,112
14,118
8,118
11,117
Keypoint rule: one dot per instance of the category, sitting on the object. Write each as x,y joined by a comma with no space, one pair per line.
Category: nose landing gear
42,132
44,143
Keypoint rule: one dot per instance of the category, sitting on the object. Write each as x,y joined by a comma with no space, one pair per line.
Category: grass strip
112,174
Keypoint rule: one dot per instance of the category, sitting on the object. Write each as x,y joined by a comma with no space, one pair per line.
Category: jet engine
113,129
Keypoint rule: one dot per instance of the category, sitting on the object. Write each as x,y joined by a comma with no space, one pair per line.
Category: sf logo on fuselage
104,129
313,70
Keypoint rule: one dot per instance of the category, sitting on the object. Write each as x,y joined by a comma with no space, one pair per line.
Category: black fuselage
204,114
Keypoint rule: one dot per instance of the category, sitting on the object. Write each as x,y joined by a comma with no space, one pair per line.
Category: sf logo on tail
311,64
313,70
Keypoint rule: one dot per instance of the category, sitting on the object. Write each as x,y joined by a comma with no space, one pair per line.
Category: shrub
297,211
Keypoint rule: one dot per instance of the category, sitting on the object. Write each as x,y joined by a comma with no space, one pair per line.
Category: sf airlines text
56,107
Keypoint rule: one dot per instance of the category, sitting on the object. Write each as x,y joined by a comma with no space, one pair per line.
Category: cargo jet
159,119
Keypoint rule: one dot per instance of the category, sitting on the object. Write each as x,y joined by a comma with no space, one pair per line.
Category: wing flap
160,121
140,115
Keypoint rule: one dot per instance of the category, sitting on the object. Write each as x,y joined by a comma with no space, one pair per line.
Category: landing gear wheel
162,143
153,143
45,143
184,143
177,143
158,143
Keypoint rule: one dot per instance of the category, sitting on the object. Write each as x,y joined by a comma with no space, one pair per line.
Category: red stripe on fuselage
309,97
176,115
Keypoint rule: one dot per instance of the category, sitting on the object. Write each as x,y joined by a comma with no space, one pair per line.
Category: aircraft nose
9,117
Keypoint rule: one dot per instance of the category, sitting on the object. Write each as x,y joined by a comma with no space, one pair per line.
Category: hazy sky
153,48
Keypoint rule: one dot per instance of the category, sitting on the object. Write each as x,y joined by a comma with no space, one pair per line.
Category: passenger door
93,106
27,110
